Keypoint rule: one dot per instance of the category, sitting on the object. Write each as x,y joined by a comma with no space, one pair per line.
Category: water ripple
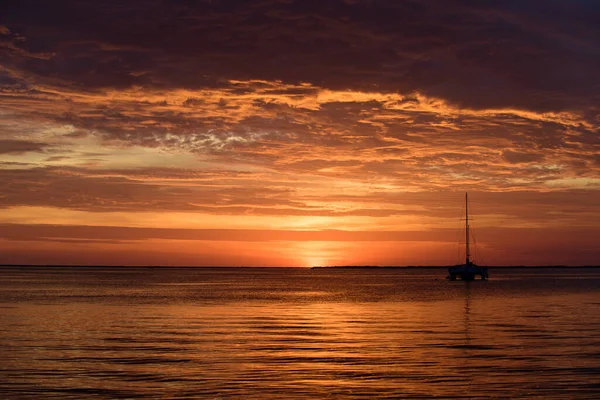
264,334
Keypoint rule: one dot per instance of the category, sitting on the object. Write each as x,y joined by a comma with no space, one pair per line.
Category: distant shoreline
314,267
448,266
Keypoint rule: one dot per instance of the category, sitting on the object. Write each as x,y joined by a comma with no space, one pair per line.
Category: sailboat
469,270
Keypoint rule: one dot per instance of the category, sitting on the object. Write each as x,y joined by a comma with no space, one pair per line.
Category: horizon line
283,266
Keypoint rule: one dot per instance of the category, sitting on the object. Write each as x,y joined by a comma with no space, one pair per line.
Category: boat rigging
469,270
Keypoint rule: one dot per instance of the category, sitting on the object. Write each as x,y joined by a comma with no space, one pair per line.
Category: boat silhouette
468,271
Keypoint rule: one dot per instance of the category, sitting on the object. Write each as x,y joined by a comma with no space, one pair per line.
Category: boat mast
467,252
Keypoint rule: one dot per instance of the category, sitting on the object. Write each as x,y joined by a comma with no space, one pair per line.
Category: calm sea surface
292,333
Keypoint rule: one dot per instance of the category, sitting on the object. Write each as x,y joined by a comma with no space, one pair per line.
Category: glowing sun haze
297,133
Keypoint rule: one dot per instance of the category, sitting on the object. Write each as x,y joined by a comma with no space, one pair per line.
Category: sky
299,132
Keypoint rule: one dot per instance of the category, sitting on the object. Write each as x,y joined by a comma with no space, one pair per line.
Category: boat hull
467,273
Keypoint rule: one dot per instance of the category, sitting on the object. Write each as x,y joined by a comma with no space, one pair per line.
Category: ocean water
171,333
